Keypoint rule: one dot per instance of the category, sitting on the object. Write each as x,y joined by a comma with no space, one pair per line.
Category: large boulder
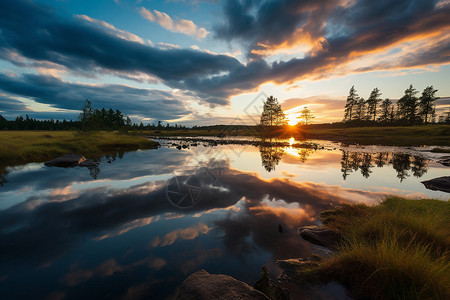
320,236
438,184
204,286
66,161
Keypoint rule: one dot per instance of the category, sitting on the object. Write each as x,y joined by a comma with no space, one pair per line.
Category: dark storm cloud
363,25
35,32
350,31
57,93
337,31
274,21
8,104
436,53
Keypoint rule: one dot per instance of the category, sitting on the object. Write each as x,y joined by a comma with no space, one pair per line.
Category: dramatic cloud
60,94
37,33
119,33
330,34
8,104
338,32
182,26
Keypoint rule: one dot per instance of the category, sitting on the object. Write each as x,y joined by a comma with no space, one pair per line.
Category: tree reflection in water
270,154
304,153
401,162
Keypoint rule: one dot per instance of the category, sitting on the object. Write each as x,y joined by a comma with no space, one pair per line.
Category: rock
445,160
320,236
202,285
438,184
66,161
293,266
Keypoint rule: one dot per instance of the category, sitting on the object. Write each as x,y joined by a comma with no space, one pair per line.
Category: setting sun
292,119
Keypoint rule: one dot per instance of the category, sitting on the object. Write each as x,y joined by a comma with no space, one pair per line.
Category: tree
385,110
359,110
86,114
407,105
306,115
427,104
272,114
352,101
372,104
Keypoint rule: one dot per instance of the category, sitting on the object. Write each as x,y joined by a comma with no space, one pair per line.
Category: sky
206,62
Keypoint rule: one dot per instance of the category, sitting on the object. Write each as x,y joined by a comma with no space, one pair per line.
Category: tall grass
18,147
396,250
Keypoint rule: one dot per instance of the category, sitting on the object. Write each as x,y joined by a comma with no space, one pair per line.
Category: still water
141,222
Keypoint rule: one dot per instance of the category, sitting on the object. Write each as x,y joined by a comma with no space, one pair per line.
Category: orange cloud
188,233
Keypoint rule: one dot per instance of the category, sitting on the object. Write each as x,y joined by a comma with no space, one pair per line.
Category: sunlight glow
292,119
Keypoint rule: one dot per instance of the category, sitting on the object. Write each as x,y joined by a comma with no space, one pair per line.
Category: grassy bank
396,136
19,147
396,250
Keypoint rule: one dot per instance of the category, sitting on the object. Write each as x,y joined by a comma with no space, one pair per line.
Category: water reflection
351,161
401,163
40,231
125,234
270,154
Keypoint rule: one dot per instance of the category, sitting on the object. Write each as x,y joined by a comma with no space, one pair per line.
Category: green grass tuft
399,249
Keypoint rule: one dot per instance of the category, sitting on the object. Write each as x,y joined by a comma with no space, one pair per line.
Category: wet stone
202,285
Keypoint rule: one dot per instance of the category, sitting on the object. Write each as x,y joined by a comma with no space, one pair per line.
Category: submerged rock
438,184
66,161
202,285
320,236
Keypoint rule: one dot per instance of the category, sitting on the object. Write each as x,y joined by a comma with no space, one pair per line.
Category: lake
141,222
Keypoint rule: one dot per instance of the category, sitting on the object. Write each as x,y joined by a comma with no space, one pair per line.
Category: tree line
409,109
88,119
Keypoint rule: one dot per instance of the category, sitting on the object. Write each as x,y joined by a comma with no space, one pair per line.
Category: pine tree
352,101
372,104
427,105
272,114
407,105
359,111
86,115
385,110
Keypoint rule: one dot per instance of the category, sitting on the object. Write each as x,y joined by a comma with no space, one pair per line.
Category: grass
432,134
396,250
20,147
398,136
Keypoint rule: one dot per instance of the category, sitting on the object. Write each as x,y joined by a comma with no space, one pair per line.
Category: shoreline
22,147
426,135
